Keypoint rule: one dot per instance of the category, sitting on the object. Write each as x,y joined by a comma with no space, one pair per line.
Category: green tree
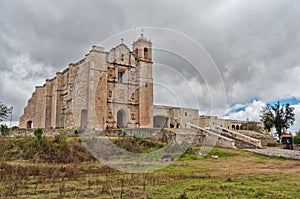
281,117
38,133
4,130
4,111
296,138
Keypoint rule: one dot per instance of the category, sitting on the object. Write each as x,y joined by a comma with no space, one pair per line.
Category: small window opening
146,53
120,77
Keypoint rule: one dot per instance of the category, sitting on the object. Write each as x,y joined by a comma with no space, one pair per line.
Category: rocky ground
294,154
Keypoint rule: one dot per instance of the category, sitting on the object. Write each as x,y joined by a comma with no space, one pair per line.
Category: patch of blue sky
238,109
291,101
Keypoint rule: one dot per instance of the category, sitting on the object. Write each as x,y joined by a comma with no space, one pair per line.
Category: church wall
48,104
29,111
87,94
97,106
39,109
53,102
80,94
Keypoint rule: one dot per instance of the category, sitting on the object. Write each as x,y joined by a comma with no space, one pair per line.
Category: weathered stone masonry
103,90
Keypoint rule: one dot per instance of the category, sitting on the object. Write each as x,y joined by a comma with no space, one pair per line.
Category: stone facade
103,90
207,121
174,117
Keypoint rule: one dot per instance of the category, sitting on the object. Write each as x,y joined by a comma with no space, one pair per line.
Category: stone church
104,90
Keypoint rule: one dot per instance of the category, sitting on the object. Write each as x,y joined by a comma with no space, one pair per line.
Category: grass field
236,174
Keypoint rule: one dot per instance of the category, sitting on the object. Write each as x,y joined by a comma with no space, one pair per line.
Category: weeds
62,168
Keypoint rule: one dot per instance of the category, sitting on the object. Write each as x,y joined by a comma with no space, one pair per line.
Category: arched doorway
233,127
237,127
29,124
121,119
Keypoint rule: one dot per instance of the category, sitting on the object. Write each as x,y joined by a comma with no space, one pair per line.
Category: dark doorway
121,119
29,124
233,127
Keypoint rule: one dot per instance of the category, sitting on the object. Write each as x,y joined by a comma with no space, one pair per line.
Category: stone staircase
211,138
229,138
241,140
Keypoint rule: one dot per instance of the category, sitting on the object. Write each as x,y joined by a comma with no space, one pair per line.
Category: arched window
233,127
120,77
136,52
146,53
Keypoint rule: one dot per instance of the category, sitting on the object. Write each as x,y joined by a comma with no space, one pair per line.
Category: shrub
14,127
4,130
61,140
296,138
38,133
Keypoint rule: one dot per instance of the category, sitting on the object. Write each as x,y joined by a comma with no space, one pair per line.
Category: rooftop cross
142,32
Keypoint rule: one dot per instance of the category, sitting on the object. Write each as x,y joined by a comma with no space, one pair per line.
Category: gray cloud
255,44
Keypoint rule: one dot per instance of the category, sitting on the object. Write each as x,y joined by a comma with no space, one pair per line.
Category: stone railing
221,141
239,136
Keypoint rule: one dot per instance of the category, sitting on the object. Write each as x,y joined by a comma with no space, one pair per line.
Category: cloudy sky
254,45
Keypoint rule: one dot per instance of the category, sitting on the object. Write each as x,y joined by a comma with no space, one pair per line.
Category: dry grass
236,174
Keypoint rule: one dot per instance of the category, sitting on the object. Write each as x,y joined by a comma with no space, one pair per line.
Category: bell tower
142,51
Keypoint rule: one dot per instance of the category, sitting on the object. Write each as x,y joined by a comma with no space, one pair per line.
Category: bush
38,133
61,140
14,127
296,138
4,130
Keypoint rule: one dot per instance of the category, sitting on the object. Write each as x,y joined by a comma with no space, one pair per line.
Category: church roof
143,38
